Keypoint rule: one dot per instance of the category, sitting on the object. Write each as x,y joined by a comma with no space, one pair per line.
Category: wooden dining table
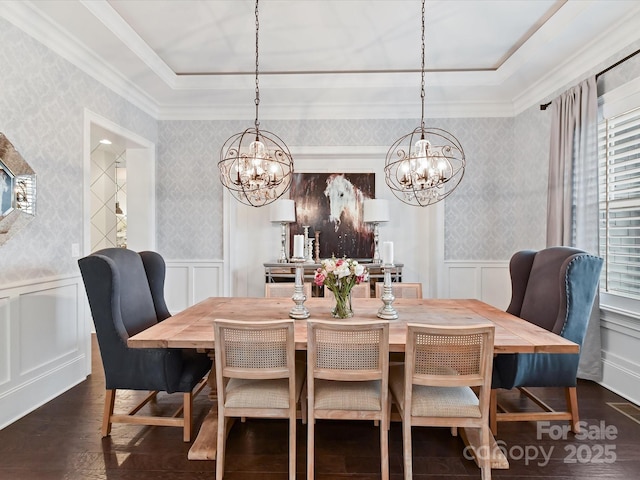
193,328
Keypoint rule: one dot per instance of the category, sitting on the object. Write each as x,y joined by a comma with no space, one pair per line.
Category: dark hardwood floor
61,440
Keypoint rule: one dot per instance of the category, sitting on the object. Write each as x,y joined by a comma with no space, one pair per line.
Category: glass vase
342,308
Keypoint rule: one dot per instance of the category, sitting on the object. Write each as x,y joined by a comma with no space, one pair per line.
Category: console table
286,272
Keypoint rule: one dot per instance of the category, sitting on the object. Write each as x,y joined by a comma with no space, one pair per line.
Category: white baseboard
621,381
26,397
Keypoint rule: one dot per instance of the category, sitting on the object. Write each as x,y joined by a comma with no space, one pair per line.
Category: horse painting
330,204
345,200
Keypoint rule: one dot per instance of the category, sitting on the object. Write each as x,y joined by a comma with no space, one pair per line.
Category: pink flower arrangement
340,276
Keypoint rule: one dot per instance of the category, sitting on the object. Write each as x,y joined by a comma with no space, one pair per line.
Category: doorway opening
119,191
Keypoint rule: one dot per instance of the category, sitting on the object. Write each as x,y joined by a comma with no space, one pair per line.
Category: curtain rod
545,105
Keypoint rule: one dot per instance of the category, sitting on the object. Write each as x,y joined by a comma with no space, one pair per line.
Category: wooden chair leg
303,404
292,444
571,394
220,446
109,402
384,446
493,411
310,444
485,454
187,414
407,449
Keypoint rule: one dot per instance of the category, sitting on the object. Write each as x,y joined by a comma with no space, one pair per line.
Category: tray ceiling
331,58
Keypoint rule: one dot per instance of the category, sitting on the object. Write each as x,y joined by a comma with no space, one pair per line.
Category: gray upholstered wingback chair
555,289
126,295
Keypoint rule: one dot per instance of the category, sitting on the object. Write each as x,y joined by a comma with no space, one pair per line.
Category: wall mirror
17,190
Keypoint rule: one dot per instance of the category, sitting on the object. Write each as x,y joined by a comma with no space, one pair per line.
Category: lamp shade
283,211
376,210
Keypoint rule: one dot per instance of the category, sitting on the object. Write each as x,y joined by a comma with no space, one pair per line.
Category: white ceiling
193,59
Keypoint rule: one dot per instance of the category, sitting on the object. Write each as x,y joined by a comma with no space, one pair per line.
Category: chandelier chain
256,165
422,85
424,166
257,100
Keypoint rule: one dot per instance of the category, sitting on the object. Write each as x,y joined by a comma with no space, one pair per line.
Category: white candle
387,253
298,246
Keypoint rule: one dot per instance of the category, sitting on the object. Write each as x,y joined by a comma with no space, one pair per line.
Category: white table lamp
284,212
376,211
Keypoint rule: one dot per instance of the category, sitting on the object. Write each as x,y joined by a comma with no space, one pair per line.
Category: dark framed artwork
331,204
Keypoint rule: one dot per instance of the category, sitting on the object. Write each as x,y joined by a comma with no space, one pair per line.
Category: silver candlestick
299,311
309,251
283,234
305,228
387,312
376,250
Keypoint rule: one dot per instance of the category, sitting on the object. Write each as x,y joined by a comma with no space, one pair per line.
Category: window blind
619,178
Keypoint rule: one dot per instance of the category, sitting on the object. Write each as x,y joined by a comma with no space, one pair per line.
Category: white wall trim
488,281
620,367
141,186
33,368
418,236
619,379
191,281
29,284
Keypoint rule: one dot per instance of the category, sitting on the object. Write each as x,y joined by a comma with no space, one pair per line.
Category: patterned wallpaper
498,208
189,194
42,101
483,219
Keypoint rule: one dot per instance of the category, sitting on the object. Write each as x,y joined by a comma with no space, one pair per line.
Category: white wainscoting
486,281
620,363
190,281
45,343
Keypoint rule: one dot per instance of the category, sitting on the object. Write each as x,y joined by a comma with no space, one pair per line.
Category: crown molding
341,112
31,21
105,13
584,61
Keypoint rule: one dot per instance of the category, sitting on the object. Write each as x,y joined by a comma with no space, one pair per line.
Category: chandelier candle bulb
387,253
298,246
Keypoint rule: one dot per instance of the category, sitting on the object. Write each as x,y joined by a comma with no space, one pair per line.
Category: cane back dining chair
284,289
434,386
125,290
555,289
347,378
401,289
256,377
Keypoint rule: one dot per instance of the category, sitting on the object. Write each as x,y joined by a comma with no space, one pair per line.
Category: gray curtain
572,203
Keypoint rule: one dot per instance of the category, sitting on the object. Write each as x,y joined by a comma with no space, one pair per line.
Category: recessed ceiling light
104,141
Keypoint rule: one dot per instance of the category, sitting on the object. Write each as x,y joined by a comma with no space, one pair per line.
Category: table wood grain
193,327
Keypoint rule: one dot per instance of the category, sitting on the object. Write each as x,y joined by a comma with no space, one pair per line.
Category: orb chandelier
256,166
426,165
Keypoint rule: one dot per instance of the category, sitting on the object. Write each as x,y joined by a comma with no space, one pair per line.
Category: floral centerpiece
340,276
